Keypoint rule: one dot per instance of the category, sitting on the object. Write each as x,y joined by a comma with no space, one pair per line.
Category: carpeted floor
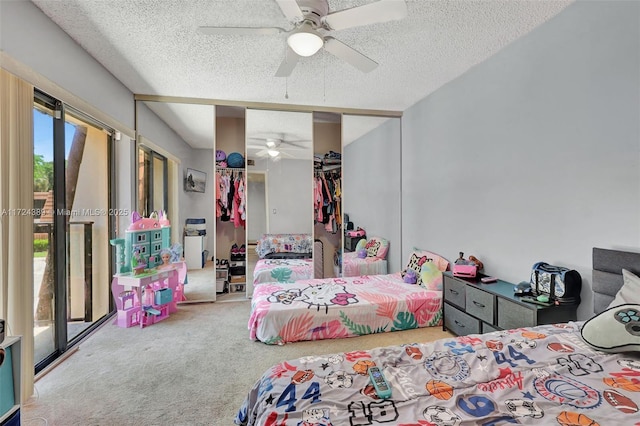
194,368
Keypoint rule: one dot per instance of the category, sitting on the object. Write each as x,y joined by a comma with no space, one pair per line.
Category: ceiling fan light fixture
305,41
273,153
271,143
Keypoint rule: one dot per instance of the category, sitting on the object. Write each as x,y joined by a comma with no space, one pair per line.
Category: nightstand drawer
454,291
487,328
514,315
459,322
479,304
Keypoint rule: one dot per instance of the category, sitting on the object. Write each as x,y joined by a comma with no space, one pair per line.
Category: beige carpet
194,368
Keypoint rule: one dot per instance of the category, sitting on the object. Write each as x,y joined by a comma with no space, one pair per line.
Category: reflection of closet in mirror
280,148
327,180
231,202
371,168
170,131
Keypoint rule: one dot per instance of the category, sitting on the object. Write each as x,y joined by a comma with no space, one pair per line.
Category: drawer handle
478,304
453,291
458,323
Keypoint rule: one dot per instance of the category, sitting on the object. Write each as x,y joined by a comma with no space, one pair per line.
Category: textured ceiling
153,47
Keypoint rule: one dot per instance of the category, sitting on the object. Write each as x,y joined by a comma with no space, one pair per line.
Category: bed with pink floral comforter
330,308
282,270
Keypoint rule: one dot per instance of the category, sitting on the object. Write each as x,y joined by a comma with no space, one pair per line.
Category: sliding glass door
72,226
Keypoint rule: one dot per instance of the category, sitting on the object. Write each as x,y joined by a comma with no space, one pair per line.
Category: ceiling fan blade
381,11
240,30
262,153
348,54
295,144
255,146
291,10
288,64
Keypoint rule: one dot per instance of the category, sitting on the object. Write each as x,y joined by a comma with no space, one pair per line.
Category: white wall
533,155
290,195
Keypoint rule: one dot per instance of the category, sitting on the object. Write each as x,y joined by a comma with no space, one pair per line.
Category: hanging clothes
230,197
326,200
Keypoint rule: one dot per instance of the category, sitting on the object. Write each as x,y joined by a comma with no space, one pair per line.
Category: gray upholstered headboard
607,274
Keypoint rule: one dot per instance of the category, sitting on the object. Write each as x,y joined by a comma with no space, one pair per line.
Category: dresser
471,307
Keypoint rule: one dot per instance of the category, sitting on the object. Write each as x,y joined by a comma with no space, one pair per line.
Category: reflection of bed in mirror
280,147
283,258
368,258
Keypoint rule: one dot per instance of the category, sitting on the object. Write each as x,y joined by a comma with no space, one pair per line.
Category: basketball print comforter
544,375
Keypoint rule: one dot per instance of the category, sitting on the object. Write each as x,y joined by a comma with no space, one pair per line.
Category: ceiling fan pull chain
324,77
286,87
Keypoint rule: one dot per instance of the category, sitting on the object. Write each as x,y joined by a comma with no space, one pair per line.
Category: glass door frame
61,344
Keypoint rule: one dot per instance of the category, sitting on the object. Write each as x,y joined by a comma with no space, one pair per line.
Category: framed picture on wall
195,181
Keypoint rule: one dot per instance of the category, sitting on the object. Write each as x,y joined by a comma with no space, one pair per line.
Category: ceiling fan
275,147
312,21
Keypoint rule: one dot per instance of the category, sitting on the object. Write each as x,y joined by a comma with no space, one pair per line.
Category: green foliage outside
40,245
42,174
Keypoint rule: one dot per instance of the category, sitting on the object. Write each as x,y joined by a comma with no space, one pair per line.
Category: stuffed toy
362,253
410,276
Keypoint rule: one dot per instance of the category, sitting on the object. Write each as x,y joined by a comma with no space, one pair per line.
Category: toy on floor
143,240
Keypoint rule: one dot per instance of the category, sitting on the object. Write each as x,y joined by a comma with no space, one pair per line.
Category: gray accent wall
371,185
534,154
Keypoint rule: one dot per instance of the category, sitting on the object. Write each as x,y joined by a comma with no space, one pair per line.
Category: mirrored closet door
371,181
327,178
280,170
180,178
231,201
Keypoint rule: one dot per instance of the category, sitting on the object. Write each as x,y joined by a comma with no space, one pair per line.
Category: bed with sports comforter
570,374
330,308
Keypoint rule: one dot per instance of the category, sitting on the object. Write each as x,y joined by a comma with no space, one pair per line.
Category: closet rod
230,169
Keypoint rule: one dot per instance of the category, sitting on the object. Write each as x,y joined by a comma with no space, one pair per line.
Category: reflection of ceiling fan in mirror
312,22
277,147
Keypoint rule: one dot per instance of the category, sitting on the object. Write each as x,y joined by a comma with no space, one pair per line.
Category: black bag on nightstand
562,285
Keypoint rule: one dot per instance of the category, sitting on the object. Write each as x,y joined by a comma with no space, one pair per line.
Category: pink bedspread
282,270
331,308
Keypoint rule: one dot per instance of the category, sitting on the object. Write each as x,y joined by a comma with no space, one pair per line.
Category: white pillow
630,291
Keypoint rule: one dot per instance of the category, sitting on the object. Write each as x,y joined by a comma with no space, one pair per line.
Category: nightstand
351,242
471,307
